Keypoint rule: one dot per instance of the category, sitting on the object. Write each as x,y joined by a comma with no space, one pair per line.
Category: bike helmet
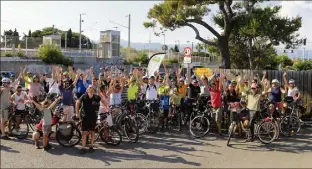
12,75
275,81
144,77
35,76
5,80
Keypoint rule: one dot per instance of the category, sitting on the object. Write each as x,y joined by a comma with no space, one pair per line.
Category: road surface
166,150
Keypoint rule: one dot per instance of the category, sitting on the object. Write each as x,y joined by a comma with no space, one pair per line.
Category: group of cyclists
87,96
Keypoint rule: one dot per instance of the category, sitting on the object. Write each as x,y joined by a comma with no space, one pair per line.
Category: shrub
8,54
51,54
303,65
20,54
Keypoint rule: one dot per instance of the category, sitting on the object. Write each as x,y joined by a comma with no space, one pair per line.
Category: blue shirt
81,87
68,95
164,102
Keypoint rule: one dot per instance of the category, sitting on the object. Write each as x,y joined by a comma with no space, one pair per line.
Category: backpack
147,87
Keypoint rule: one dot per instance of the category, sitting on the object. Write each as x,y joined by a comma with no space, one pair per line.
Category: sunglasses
6,82
66,83
253,88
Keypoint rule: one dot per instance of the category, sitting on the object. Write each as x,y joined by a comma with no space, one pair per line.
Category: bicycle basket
65,130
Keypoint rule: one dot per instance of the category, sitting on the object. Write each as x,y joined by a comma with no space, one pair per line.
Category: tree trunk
223,46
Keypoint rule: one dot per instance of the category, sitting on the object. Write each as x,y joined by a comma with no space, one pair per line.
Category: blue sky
25,15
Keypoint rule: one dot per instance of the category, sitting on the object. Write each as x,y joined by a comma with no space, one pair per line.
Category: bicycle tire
58,139
262,125
141,122
130,126
231,129
201,119
111,130
285,121
19,136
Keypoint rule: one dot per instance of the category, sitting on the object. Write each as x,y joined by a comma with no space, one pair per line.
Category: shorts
88,124
164,113
4,114
218,113
46,129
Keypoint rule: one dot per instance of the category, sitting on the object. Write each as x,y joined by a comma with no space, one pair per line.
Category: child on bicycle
176,99
45,125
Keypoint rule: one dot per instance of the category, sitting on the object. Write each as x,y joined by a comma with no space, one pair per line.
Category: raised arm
285,79
76,77
55,102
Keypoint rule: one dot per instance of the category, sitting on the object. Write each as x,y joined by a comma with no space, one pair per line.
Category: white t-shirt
53,88
19,106
292,92
151,92
115,99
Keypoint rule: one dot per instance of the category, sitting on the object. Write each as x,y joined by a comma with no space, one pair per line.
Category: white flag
154,63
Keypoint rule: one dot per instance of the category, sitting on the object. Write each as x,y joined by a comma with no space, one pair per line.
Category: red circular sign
187,52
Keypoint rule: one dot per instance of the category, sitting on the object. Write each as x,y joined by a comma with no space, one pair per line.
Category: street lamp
80,21
192,44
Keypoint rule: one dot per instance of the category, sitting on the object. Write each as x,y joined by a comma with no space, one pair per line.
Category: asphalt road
166,150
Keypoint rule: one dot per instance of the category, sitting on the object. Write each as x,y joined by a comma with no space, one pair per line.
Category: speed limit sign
187,53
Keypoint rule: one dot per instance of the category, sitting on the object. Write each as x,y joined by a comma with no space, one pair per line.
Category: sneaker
91,150
49,146
5,137
83,151
37,145
45,148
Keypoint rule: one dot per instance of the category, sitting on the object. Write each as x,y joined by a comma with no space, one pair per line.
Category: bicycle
290,123
263,126
152,116
174,117
107,132
66,131
15,129
125,121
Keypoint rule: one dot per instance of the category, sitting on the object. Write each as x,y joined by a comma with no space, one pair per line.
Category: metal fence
303,79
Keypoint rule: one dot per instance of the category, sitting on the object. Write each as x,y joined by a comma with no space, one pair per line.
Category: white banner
154,64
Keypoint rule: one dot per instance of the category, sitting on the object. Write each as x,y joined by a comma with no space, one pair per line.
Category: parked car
6,74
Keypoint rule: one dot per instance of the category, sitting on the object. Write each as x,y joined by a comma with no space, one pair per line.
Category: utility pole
129,28
80,21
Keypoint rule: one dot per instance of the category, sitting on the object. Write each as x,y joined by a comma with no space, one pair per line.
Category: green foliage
51,54
8,54
20,54
303,65
201,54
176,48
284,60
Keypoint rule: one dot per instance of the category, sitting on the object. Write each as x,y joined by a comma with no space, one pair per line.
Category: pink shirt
34,89
215,95
103,108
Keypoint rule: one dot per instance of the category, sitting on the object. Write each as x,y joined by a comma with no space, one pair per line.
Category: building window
115,38
115,49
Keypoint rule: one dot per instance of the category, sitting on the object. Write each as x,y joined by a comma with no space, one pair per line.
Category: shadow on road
8,149
300,143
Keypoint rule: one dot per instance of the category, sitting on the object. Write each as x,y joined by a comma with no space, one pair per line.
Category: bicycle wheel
199,126
152,126
111,136
231,129
290,126
19,131
266,132
74,140
32,122
131,130
141,122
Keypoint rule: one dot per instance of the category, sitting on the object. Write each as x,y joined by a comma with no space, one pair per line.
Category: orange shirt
182,90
